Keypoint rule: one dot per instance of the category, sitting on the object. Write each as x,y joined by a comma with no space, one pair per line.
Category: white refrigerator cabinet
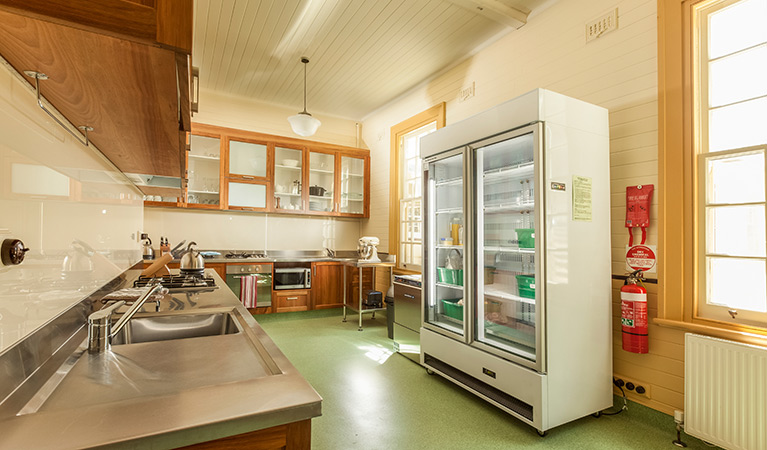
516,283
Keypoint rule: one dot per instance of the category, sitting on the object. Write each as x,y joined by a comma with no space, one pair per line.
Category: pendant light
303,123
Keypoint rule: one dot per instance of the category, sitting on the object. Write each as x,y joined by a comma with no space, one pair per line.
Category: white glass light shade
304,124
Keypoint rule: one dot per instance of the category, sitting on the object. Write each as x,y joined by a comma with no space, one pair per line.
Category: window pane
417,258
736,179
737,283
736,231
737,27
739,77
740,125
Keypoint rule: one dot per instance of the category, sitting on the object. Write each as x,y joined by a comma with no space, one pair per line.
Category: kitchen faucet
100,329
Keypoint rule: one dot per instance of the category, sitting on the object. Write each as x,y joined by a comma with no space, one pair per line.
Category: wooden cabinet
327,285
242,170
293,300
117,66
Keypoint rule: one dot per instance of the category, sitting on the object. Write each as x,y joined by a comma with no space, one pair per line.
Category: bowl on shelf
290,162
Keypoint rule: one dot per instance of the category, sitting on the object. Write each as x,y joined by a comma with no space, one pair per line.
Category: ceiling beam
495,10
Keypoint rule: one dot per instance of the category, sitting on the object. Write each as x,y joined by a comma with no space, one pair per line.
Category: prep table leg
359,272
344,267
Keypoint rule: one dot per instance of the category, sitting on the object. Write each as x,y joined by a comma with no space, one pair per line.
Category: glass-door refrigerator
517,270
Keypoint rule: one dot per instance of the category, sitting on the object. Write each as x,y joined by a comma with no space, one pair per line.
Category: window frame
679,183
434,114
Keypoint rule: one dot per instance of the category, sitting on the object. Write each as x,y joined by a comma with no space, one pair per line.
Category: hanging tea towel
248,284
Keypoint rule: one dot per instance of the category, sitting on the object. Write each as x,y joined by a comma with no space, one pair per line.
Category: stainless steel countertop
170,393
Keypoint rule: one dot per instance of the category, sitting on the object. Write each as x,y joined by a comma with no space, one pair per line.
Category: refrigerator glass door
445,309
509,290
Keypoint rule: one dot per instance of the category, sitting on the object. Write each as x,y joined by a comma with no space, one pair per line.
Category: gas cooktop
179,283
243,255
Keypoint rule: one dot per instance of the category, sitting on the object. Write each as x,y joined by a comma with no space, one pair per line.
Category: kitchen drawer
291,301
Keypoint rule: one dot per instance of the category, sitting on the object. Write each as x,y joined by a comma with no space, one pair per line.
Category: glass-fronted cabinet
445,260
352,185
507,316
288,179
322,177
204,171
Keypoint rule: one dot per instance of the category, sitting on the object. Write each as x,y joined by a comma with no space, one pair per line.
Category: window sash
707,260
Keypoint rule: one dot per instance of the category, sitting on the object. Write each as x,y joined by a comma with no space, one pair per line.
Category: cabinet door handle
248,178
291,298
408,296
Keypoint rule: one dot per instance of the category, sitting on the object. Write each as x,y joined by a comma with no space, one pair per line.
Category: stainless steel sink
181,326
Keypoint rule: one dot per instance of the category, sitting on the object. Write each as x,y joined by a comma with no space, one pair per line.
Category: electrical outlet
640,388
601,25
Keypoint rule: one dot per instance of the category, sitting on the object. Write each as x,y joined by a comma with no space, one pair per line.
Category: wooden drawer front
292,301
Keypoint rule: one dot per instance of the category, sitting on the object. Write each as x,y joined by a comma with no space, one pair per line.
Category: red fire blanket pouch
638,209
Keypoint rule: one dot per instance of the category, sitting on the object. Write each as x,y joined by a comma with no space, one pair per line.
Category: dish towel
248,286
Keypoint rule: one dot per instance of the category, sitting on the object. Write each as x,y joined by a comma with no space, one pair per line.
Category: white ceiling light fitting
303,123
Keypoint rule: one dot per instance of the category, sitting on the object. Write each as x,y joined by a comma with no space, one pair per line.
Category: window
713,145
411,184
405,226
730,47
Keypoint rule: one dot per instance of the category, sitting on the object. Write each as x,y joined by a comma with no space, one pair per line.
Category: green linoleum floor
373,399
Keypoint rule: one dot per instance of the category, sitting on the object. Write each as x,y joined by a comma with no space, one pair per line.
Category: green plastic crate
526,237
452,309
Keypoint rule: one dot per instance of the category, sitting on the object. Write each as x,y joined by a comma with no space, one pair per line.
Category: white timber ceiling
362,53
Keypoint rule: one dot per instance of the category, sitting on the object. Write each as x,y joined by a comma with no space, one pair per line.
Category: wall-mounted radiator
725,392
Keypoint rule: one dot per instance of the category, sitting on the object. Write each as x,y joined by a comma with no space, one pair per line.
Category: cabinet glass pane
288,175
506,281
446,306
321,181
204,176
352,185
247,195
246,158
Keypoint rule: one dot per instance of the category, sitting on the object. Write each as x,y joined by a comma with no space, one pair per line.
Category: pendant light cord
305,61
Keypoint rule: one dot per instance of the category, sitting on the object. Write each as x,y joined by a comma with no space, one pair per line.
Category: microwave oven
292,278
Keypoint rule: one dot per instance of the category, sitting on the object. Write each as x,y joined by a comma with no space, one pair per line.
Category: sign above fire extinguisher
642,257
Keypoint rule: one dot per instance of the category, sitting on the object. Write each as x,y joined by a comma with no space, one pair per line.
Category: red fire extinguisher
634,314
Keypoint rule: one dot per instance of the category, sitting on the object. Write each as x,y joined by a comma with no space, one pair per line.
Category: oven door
291,278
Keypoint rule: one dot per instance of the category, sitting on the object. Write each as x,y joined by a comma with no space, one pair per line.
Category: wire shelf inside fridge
506,172
500,249
506,296
449,182
491,208
450,211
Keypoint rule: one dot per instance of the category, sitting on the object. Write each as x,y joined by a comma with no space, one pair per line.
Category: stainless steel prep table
362,264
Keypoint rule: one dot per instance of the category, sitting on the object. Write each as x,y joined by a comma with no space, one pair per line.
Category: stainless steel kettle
148,250
192,261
